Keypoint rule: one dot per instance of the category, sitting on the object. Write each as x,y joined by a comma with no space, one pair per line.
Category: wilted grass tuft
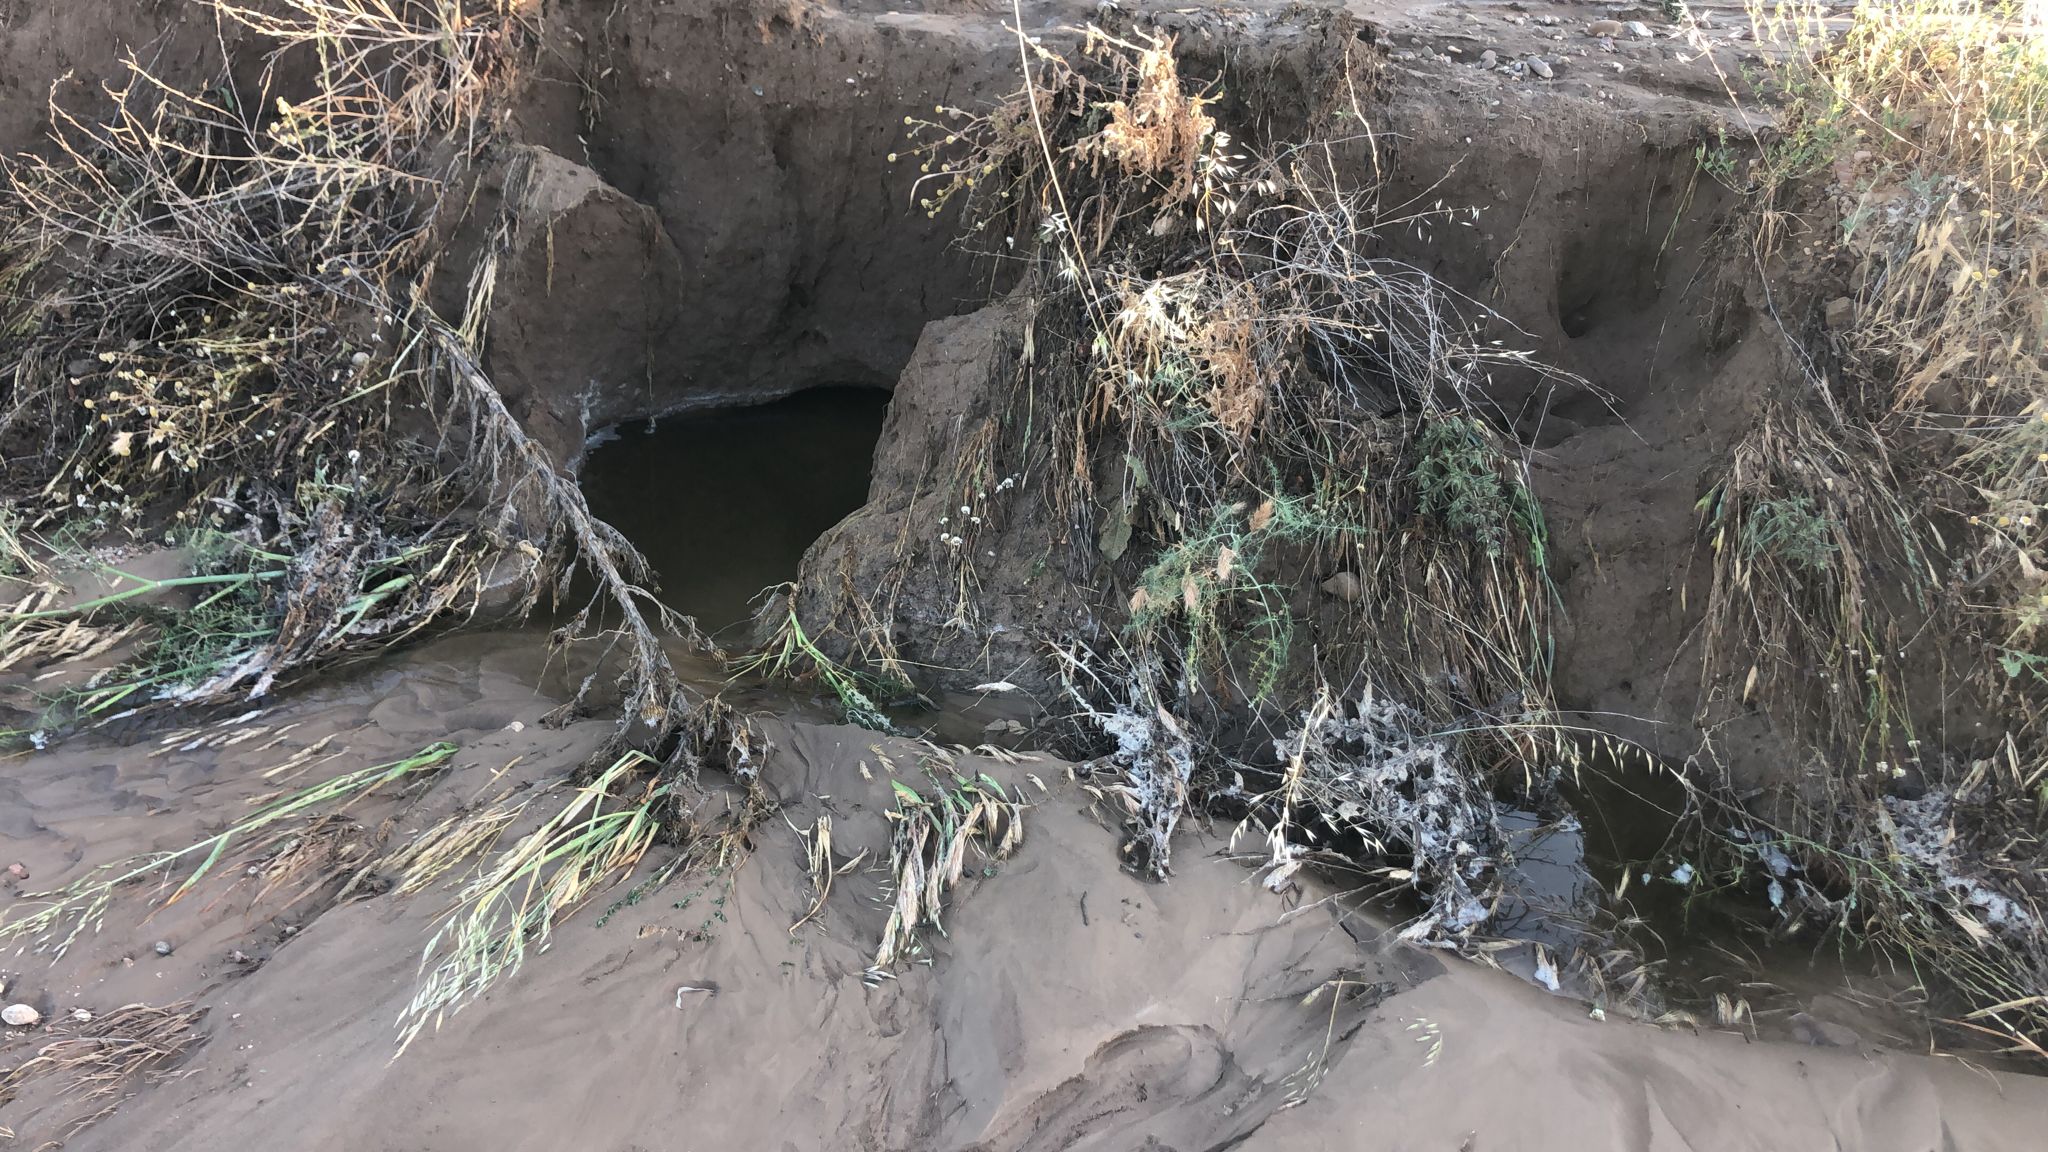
60,917
98,1057
932,833
512,905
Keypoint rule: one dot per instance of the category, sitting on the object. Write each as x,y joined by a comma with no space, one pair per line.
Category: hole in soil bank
724,501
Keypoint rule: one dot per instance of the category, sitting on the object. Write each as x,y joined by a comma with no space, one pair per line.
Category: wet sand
1068,1006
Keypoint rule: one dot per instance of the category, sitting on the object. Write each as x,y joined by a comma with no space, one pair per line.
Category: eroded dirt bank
695,204
702,210
1068,1006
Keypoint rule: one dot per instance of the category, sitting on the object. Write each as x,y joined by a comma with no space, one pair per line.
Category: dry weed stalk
451,841
514,903
271,832
511,904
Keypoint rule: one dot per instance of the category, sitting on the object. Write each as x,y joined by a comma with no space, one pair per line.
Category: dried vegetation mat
91,1060
1880,540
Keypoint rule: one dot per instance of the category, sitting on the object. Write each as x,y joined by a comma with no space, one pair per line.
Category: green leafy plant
1791,529
1459,484
792,655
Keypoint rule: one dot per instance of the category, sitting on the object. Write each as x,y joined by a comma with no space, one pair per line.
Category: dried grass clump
1245,416
97,1057
218,320
1158,131
1881,538
931,835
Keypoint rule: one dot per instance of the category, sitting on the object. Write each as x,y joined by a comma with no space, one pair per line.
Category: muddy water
1623,879
725,501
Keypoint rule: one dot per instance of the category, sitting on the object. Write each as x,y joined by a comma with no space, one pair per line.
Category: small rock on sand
1638,29
18,870
1344,586
163,948
1540,67
1841,313
1822,1033
1488,59
20,1016
1603,28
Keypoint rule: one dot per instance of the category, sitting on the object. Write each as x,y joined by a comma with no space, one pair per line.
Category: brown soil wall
706,213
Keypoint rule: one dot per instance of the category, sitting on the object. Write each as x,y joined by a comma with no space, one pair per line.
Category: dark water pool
725,501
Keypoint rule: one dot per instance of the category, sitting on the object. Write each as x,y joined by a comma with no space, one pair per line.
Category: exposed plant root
1366,771
1155,754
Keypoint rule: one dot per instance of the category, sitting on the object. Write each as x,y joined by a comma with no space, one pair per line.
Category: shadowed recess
724,501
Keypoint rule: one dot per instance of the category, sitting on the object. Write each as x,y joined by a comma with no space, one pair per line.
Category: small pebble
1841,314
1540,67
18,870
163,947
1638,29
1488,59
20,1016
81,1015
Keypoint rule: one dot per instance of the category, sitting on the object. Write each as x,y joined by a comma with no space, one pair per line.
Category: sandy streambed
1068,1004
